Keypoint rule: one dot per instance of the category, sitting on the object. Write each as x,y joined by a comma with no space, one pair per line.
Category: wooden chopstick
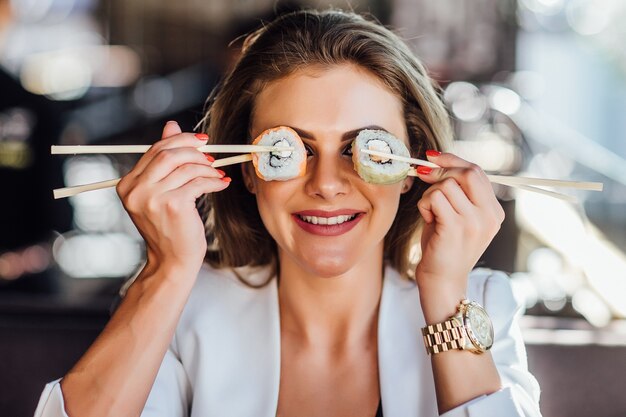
560,196
71,191
110,149
412,161
511,181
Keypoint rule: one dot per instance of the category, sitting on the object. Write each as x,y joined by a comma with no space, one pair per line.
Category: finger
447,160
454,194
198,187
167,160
443,160
471,179
175,139
424,208
441,209
188,172
171,128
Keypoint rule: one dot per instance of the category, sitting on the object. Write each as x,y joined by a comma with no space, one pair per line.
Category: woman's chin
327,267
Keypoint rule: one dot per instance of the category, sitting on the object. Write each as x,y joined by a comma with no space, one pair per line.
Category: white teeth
327,220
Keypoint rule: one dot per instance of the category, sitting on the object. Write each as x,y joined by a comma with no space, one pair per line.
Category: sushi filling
375,169
379,146
327,220
277,158
280,165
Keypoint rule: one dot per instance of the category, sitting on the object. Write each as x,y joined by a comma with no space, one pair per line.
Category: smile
324,223
327,220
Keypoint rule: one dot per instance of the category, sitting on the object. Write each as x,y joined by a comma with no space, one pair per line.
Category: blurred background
535,87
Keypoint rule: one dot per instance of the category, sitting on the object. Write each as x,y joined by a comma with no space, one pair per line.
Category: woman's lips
321,229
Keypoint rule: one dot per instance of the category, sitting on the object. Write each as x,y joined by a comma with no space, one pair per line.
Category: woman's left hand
462,216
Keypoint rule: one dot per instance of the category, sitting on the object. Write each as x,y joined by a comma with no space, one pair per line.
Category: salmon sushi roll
280,165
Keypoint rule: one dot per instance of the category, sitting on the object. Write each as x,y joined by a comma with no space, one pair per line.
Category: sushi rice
374,169
280,165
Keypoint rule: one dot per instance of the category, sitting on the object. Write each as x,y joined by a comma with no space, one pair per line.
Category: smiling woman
307,303
331,186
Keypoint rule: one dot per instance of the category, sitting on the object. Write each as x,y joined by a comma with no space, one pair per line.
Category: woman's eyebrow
345,137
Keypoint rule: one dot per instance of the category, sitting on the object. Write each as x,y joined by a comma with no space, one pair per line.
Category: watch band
444,336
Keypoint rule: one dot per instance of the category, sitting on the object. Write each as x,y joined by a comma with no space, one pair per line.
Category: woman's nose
328,176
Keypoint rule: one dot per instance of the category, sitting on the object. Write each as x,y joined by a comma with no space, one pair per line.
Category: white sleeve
499,404
51,401
519,396
170,395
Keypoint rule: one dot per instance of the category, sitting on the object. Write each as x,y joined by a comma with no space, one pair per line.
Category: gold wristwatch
470,329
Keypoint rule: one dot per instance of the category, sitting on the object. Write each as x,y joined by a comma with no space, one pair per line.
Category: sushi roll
374,169
280,165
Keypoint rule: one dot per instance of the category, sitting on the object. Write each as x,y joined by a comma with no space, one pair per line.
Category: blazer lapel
241,375
273,365
406,379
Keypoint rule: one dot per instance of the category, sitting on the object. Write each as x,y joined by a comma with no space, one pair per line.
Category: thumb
171,128
446,162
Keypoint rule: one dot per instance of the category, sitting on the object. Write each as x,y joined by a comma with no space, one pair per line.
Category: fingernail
202,136
222,173
432,152
171,121
226,179
424,170
209,158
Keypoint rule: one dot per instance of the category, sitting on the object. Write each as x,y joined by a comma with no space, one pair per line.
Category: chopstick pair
111,149
523,183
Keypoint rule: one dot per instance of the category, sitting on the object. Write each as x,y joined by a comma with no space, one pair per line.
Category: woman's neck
338,312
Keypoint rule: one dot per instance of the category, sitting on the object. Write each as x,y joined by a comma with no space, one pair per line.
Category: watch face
480,329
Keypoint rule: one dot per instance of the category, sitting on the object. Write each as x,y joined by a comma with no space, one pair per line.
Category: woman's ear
407,184
249,177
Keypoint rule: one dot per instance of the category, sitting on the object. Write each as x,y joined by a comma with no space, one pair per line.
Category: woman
294,317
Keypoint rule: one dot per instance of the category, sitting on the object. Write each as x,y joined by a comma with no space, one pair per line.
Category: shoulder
219,299
226,329
222,288
484,285
227,279
492,289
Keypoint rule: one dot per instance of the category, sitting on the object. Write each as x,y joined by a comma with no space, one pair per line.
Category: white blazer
224,359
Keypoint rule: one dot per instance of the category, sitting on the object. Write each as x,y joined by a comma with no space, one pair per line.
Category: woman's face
328,107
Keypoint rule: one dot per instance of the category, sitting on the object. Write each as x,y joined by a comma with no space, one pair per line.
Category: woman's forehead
332,100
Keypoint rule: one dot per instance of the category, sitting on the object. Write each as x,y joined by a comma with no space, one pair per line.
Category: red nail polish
226,179
222,173
209,158
432,152
202,136
424,170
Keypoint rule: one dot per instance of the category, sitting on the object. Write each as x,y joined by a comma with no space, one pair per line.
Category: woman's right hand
160,195
114,377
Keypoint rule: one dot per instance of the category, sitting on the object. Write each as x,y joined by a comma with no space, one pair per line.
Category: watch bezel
473,308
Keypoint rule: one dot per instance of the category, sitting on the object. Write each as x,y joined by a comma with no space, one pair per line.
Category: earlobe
406,186
250,187
248,179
